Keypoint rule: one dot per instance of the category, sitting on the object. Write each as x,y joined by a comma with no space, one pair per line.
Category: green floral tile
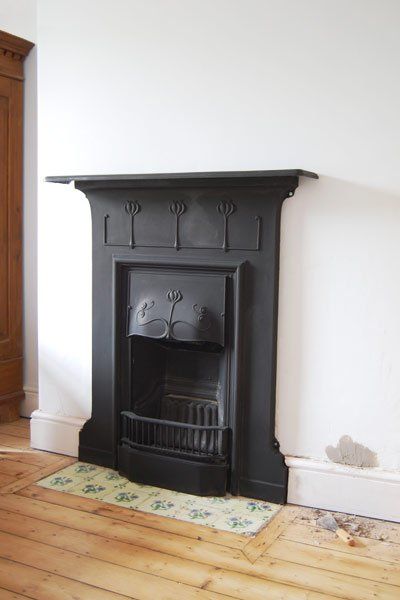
89,489
60,481
111,480
201,515
244,506
229,513
212,502
83,471
161,504
220,501
239,524
126,498
258,507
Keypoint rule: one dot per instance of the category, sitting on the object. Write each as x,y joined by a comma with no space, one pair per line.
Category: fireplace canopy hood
188,308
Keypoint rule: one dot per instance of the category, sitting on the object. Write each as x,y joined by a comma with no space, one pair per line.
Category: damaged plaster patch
348,452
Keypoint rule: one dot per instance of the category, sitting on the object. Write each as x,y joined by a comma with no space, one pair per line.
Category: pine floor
55,546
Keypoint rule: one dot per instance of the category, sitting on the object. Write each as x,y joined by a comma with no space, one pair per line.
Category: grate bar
171,436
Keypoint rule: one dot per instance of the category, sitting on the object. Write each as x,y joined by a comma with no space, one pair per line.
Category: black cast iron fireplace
185,290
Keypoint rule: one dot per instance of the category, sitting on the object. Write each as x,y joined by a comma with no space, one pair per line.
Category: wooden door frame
13,51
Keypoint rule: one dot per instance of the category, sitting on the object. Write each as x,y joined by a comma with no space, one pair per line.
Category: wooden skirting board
55,546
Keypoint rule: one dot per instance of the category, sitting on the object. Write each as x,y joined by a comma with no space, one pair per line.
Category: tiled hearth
235,514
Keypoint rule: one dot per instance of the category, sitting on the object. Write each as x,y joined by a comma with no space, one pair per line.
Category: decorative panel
168,306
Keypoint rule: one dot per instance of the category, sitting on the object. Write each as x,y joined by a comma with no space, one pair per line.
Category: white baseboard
55,433
366,492
30,403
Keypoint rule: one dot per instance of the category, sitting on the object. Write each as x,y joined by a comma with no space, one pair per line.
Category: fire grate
200,442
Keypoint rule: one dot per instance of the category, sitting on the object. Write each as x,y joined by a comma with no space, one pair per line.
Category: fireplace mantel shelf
215,178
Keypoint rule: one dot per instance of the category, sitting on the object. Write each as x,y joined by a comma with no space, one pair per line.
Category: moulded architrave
12,53
30,402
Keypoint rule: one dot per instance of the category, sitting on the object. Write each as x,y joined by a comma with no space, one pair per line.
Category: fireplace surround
185,298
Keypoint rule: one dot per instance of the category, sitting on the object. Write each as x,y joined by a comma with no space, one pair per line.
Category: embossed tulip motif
226,208
174,296
132,209
177,209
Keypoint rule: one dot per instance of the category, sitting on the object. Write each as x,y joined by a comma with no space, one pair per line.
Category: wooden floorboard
5,479
11,429
56,546
7,595
22,482
259,544
16,469
336,561
22,422
372,548
197,532
28,456
27,582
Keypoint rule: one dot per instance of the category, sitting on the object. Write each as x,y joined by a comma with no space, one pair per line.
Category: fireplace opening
177,399
177,361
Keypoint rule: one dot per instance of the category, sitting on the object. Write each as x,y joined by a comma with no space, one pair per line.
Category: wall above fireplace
185,290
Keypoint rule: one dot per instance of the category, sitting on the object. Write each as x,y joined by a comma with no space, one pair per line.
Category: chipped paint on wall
348,452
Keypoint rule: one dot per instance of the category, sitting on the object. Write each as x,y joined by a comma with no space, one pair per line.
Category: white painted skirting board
366,492
55,433
30,403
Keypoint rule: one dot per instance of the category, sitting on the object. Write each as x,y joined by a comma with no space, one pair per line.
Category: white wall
19,18
174,85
